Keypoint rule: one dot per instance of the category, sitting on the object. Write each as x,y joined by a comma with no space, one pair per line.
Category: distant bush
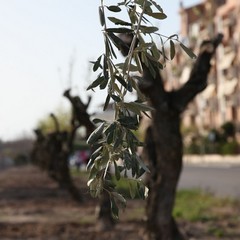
229,148
228,129
192,148
217,141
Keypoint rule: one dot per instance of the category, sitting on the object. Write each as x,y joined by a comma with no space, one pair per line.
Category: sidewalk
213,159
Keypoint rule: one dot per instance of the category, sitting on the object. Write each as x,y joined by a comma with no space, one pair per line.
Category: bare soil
32,207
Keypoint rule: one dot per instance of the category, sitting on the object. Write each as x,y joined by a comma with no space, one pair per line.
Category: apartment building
220,101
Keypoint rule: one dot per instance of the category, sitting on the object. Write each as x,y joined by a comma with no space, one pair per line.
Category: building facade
220,101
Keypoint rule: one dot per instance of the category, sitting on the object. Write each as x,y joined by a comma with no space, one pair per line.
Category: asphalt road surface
221,180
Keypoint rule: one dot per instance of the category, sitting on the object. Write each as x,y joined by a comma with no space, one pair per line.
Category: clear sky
40,39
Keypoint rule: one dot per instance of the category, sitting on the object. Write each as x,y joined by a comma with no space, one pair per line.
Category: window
220,2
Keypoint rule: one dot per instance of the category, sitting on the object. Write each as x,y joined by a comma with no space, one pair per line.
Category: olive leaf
114,8
188,51
118,21
172,49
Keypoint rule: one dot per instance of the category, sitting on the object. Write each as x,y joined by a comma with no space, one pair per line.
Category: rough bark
164,151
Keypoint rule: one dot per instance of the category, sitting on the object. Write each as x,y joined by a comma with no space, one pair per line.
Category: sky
45,48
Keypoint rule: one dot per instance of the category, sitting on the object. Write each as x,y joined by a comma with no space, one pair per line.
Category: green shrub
215,142
229,148
228,129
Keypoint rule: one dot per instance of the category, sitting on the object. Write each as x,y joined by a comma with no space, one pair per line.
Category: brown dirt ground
32,207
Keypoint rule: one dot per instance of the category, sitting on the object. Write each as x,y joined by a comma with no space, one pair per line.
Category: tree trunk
165,167
80,117
51,154
65,179
105,220
164,151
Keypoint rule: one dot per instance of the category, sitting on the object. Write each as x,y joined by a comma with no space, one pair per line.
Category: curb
214,159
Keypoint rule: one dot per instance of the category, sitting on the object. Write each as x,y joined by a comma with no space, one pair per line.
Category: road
221,180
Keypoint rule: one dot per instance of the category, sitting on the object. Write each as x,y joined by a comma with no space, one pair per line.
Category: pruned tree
51,153
163,144
163,148
52,150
